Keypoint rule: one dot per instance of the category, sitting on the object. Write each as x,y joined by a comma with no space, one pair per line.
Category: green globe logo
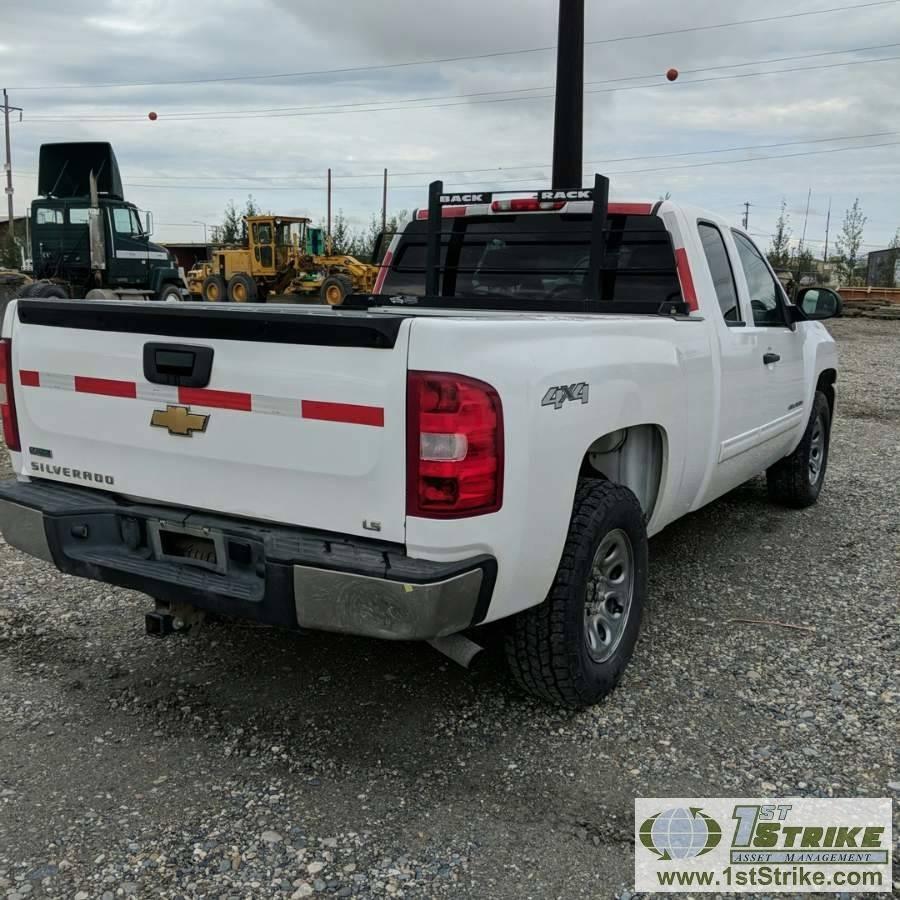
680,833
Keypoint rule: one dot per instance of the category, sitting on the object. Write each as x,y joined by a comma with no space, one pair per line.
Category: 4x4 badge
179,420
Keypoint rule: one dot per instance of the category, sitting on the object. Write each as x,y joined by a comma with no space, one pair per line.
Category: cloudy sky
707,139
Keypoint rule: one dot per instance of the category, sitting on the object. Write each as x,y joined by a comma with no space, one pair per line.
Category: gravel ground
244,762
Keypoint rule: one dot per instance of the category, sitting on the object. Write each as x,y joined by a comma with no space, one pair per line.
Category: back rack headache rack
439,198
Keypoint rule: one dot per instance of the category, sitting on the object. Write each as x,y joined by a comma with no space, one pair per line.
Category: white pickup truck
541,383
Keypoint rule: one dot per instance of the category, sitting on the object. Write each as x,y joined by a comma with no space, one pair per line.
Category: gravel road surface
243,762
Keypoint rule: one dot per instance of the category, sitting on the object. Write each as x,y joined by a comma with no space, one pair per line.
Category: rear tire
25,291
242,289
796,481
335,288
213,290
47,290
572,649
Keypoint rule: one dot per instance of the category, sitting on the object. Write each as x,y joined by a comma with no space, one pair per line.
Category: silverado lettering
78,474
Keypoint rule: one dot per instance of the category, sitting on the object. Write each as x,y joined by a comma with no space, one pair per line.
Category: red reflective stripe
29,378
382,272
216,399
108,387
687,279
630,209
343,412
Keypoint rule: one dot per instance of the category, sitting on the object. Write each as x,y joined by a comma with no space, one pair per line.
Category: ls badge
179,420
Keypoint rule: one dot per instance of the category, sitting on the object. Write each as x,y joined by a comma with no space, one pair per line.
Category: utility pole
384,204
747,206
806,219
568,134
827,229
328,229
7,109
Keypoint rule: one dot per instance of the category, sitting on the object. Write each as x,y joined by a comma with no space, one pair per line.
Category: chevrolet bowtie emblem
179,420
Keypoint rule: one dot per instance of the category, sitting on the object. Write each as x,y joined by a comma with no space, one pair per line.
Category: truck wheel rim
610,589
240,292
333,295
816,450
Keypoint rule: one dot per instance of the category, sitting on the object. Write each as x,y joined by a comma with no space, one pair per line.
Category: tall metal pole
9,184
328,229
384,204
568,134
747,206
806,219
827,229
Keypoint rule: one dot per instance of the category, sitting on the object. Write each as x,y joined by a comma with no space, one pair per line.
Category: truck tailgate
301,420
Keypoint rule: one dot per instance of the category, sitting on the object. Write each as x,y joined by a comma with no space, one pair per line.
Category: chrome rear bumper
282,575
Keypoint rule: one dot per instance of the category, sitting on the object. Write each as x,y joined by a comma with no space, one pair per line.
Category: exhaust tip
458,648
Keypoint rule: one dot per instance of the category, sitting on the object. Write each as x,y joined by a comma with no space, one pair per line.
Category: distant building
884,269
187,253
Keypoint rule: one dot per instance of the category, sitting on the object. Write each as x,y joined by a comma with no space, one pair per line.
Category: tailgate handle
178,365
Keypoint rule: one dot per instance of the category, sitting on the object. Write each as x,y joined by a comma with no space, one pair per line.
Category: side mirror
148,223
819,303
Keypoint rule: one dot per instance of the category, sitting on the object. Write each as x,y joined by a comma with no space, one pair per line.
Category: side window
122,219
78,215
49,216
720,269
136,227
765,292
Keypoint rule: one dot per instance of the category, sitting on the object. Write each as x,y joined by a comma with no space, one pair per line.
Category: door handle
770,359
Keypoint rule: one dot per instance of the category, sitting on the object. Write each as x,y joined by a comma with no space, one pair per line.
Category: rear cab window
48,215
541,258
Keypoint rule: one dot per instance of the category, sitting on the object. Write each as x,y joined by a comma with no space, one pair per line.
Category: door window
766,298
49,216
78,215
720,269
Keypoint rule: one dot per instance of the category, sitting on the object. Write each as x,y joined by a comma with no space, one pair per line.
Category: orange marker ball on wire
152,116
672,74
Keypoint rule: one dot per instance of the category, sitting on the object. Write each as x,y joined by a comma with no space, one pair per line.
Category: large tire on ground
796,481
573,648
48,290
213,290
25,291
242,289
169,293
335,288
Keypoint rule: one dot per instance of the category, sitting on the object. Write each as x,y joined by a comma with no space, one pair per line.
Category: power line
451,59
331,111
419,187
541,165
374,105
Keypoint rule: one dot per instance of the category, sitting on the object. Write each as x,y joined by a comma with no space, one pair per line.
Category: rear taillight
7,397
454,447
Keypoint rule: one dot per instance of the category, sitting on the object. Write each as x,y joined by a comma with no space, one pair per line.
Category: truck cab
87,239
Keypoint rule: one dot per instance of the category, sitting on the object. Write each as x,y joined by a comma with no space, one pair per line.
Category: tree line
345,239
848,260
